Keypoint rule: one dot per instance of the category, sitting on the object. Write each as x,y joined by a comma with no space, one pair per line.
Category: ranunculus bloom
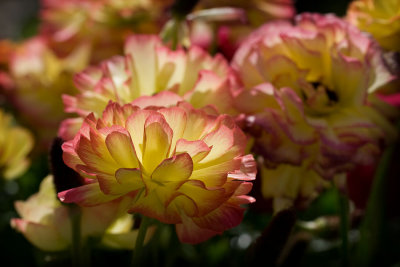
257,12
15,144
46,223
381,18
39,79
305,93
179,165
149,67
68,22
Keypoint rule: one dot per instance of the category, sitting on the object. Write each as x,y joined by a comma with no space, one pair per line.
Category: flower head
39,79
46,223
179,165
149,67
230,35
75,21
306,86
379,18
15,144
305,94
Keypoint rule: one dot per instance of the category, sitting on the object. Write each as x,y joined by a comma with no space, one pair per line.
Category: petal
210,89
69,128
86,195
175,169
44,237
135,126
162,99
176,119
247,171
189,232
195,125
215,175
256,99
130,178
92,160
121,149
156,142
196,149
110,186
142,50
205,199
222,218
220,140
152,206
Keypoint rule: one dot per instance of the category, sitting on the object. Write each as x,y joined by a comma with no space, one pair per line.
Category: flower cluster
158,104
179,165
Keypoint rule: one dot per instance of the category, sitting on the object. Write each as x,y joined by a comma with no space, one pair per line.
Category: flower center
319,99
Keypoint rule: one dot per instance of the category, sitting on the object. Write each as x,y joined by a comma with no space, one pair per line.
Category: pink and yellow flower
39,79
46,223
230,35
71,22
306,90
379,18
15,144
149,67
179,165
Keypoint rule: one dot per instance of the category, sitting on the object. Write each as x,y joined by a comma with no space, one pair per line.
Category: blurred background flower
306,88
71,23
216,33
46,223
147,68
379,18
38,78
15,145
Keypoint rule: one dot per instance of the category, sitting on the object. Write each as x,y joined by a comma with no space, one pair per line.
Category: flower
287,184
46,223
179,165
379,18
71,22
305,93
39,79
15,144
230,35
149,67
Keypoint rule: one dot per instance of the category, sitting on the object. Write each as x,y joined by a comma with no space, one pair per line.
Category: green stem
344,226
76,215
373,226
140,240
175,35
214,44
